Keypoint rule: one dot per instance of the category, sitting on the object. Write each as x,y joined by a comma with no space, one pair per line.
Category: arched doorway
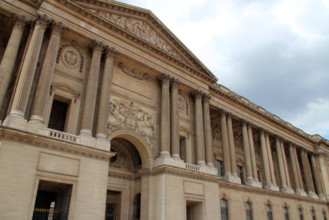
124,182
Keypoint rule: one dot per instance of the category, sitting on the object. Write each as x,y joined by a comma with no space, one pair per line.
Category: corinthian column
252,153
199,128
232,149
281,165
246,149
308,175
42,92
165,117
91,91
265,160
104,99
207,130
9,57
284,158
174,119
270,159
225,145
318,183
26,74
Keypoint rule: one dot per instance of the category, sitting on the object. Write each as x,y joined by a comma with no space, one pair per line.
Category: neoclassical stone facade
105,114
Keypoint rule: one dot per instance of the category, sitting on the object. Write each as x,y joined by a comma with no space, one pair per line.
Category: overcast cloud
274,53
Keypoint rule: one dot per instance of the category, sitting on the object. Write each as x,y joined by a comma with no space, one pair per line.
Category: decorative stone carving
138,28
182,105
71,57
134,73
237,139
131,117
217,133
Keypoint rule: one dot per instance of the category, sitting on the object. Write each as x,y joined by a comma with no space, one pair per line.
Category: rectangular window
240,174
58,114
182,148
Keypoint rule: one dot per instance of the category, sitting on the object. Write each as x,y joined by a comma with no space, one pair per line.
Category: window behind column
300,214
269,212
220,168
286,213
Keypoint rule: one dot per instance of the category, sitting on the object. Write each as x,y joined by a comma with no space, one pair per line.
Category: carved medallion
70,57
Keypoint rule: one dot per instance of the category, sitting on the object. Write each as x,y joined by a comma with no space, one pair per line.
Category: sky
273,52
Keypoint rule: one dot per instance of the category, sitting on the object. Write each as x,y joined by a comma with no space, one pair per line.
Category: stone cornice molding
201,72
49,143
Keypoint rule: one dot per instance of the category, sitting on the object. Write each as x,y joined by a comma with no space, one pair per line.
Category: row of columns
230,166
26,75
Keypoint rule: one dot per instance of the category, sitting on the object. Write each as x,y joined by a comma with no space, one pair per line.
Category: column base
322,197
176,157
15,120
312,195
201,163
103,144
272,187
208,170
300,192
232,179
286,189
166,160
253,183
210,165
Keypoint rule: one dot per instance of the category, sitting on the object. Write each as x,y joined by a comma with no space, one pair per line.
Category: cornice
200,71
245,103
14,135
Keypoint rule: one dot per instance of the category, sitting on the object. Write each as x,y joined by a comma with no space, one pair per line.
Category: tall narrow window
58,114
248,211
269,212
300,213
313,215
240,174
286,213
224,209
220,168
324,215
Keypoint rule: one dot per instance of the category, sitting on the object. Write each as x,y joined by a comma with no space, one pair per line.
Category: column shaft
207,128
9,58
174,120
270,158
247,159
43,88
199,129
165,117
280,161
307,172
265,158
325,173
316,172
26,75
103,110
252,153
91,91
232,145
285,164
294,166
225,144
300,180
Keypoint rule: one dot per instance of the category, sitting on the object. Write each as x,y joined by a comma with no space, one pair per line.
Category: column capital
165,78
97,47
175,82
42,21
19,21
206,97
222,111
110,52
198,93
57,27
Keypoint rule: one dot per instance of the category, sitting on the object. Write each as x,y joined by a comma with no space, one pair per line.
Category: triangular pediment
144,25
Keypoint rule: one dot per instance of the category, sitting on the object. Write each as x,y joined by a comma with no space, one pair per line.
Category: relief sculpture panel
139,28
127,115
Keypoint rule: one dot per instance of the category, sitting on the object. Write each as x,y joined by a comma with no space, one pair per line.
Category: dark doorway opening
113,205
53,200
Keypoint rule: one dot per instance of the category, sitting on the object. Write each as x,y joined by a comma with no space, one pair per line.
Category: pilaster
165,117
199,128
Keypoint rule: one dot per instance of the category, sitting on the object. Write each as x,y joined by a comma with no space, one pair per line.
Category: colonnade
23,91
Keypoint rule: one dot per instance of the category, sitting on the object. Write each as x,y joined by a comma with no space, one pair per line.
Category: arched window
300,213
313,214
269,212
286,213
248,210
224,209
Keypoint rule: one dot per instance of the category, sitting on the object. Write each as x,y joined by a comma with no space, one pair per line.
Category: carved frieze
129,116
138,28
182,104
217,133
134,73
